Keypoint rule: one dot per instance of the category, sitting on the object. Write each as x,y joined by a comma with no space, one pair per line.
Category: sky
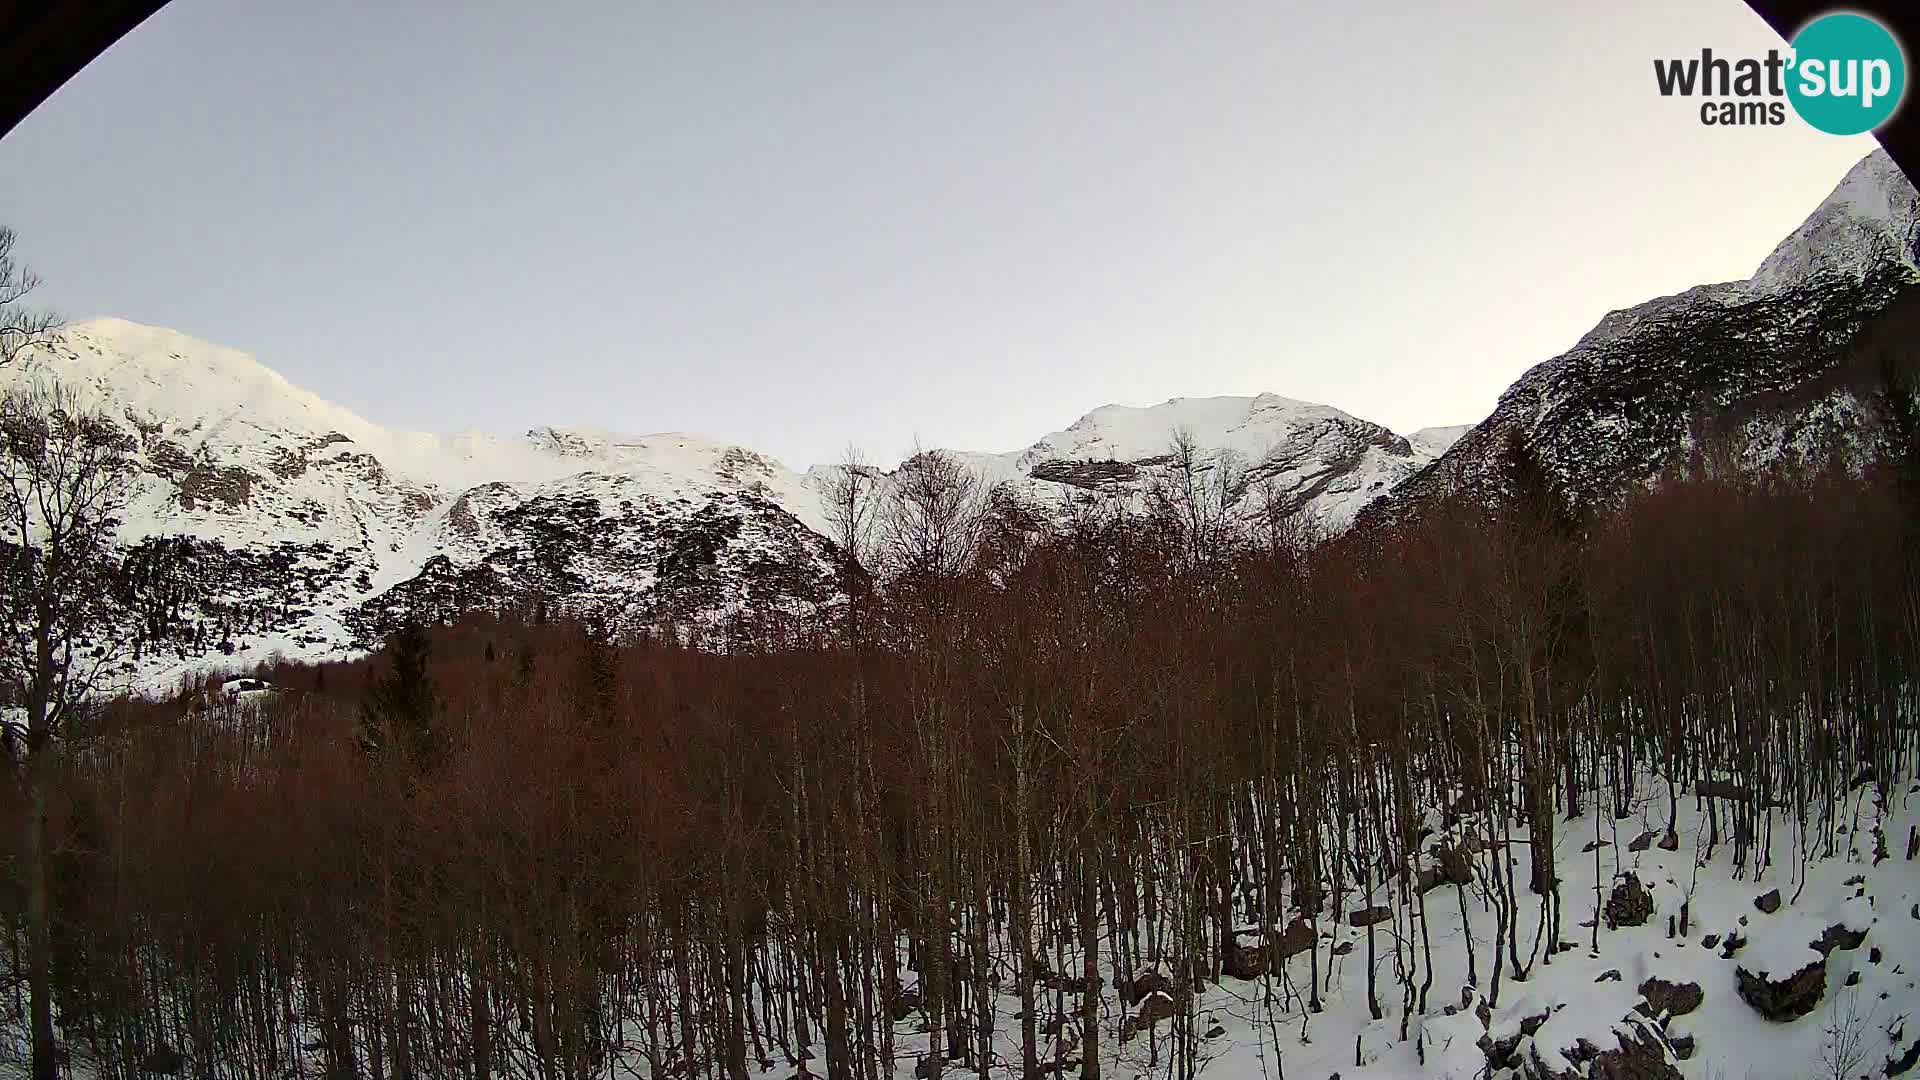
961,224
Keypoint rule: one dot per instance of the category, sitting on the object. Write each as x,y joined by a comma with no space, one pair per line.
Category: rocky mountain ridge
1758,371
269,520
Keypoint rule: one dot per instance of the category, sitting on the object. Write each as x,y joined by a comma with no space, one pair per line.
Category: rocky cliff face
1758,370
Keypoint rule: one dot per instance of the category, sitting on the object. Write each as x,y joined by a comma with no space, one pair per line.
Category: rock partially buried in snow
1145,983
1503,1043
1768,902
163,1060
1639,1052
1154,1008
1721,789
1783,999
1839,936
1631,903
1453,866
1670,998
1246,958
1369,916
1297,938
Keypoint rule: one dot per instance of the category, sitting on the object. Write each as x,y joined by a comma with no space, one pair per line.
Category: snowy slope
1588,997
1438,440
1758,368
270,520
1317,461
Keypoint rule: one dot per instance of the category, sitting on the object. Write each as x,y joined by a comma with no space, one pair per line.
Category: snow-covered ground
1262,1031
1580,1002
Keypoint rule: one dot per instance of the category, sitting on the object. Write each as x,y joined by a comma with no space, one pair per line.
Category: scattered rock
1630,905
1639,1055
1297,938
1215,1031
1838,937
163,1060
1154,1008
1642,842
906,1003
1452,866
1244,960
1665,998
1670,842
1370,916
1900,1065
1609,976
1768,902
1710,940
1147,982
1592,846
1783,999
1682,1046
1505,1053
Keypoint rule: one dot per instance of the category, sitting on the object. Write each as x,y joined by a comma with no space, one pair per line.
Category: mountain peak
1871,215
103,342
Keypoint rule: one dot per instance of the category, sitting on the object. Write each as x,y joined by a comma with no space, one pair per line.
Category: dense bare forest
1022,773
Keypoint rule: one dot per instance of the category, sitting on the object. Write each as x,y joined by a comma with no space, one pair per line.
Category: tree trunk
46,1065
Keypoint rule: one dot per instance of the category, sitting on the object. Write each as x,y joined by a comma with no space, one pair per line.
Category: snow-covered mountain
1316,461
1761,370
270,520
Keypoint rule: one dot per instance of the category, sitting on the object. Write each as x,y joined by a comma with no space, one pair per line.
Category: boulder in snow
1643,1055
1370,915
1783,998
1631,903
1665,998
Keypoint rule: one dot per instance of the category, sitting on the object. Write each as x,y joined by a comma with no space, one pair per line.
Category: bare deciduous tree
1197,497
935,508
20,326
1844,1044
850,508
65,476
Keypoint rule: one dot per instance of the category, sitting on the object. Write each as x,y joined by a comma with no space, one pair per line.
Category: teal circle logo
1848,74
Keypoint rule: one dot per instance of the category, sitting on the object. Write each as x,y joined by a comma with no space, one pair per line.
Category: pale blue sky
796,225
